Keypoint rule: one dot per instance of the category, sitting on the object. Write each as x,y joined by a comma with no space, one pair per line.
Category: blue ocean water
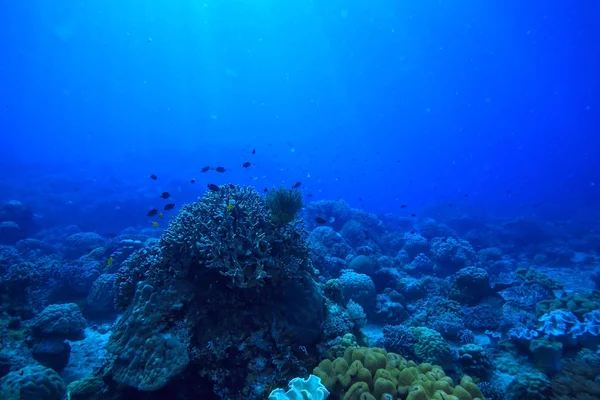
439,147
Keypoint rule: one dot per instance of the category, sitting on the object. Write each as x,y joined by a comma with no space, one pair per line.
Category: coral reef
238,296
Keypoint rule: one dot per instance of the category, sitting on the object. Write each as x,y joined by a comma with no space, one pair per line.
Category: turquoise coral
302,389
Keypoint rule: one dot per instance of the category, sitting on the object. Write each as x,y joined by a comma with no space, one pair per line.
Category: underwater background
210,199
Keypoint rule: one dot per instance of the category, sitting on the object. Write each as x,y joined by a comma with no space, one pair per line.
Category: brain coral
372,373
431,346
35,382
357,287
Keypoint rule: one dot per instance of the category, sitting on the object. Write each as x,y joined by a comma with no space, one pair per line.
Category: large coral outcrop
224,288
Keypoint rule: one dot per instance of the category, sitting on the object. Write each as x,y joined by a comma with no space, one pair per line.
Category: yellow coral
382,387
356,391
470,386
373,374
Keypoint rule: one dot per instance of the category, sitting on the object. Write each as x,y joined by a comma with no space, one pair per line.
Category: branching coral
232,231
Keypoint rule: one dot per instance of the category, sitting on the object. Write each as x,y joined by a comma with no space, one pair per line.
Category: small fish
220,169
155,224
205,169
230,207
412,232
253,151
212,187
309,195
165,195
153,177
109,262
413,215
297,185
152,212
160,215
320,220
169,206
466,195
246,164
265,190
403,206
192,181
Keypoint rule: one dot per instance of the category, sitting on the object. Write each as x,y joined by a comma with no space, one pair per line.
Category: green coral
578,378
431,347
337,350
533,276
85,389
532,385
546,354
284,205
578,303
372,373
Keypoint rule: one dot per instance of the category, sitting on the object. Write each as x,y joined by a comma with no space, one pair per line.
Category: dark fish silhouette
212,187
413,215
403,206
246,164
320,220
152,212
309,195
205,169
169,206
265,190
193,181
165,195
220,169
253,151
153,177
297,185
